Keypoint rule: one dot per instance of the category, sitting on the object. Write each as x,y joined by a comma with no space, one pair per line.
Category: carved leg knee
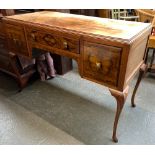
120,98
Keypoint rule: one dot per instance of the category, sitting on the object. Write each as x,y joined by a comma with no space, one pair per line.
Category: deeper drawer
53,39
16,39
101,63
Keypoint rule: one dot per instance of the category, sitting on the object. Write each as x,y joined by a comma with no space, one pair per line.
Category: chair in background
23,71
124,14
116,13
146,15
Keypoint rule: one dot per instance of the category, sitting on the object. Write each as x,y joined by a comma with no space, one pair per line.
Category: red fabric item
50,64
45,66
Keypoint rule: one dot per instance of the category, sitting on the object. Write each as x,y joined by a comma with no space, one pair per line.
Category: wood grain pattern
107,51
101,63
136,57
16,39
107,28
53,39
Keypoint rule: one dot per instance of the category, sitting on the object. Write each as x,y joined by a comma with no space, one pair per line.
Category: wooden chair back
146,15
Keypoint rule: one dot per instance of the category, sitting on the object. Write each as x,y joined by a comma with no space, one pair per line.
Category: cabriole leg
120,98
142,71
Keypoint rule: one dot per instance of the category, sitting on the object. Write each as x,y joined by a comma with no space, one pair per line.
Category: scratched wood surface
107,51
123,30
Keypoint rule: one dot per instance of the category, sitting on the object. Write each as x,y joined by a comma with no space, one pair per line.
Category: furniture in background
124,14
86,12
116,13
62,64
151,45
10,63
108,52
147,16
104,13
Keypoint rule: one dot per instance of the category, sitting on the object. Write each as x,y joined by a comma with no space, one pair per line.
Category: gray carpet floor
72,110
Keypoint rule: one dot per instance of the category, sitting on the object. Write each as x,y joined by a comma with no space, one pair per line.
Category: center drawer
101,63
53,39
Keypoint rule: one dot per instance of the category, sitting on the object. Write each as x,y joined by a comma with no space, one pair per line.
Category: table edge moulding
108,51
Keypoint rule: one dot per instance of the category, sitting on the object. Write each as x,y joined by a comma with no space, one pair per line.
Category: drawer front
16,39
101,63
52,39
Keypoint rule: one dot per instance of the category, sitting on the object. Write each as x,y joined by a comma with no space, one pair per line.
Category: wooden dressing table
107,51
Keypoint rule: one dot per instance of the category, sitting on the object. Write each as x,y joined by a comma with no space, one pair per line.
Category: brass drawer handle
33,36
15,41
65,44
95,62
49,39
98,65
